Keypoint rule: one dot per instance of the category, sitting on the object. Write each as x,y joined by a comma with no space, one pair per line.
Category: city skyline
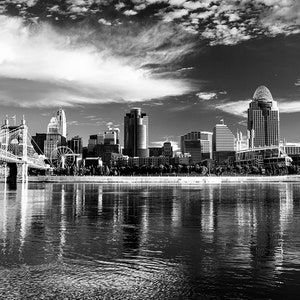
187,64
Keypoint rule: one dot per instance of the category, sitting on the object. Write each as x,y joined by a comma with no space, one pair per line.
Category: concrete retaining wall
180,180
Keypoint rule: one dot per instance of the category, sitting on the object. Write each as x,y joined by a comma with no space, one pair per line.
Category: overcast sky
185,63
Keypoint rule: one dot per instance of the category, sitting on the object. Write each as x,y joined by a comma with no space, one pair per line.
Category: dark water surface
89,241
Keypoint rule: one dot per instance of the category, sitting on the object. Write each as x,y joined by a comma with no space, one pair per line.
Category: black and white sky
187,64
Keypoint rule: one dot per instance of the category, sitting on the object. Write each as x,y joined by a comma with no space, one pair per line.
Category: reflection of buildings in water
245,215
144,227
286,207
267,240
3,216
100,199
132,218
24,214
207,211
62,225
176,212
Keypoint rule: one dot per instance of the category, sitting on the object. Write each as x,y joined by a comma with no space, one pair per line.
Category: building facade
75,144
263,119
136,134
223,144
198,144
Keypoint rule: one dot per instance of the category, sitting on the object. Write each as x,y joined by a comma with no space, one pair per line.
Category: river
92,241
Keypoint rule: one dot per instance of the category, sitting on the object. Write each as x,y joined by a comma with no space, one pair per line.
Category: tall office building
263,119
136,134
197,142
75,144
223,138
111,136
58,124
56,133
62,122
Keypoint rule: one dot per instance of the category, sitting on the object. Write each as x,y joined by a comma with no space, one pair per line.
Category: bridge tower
23,142
5,133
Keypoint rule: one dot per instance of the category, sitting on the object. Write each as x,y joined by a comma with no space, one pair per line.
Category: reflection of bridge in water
17,152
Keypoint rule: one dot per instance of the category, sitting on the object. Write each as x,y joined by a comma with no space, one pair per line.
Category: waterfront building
75,144
223,144
167,149
56,133
206,144
105,150
293,151
263,157
155,151
223,138
182,159
38,142
198,144
263,119
111,136
62,122
136,134
193,147
52,142
94,139
58,124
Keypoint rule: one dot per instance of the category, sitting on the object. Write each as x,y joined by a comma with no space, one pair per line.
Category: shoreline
168,180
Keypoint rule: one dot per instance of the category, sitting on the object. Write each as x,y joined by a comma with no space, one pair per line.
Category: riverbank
168,180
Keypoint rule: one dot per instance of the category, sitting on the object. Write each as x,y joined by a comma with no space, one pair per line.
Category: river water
90,241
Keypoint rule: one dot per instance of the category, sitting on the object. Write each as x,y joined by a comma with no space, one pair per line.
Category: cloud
191,5
66,68
239,108
206,95
176,14
129,12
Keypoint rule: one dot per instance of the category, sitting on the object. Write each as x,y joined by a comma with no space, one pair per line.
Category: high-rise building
94,139
167,149
223,138
111,136
75,144
263,119
58,123
38,142
62,122
136,133
56,132
199,142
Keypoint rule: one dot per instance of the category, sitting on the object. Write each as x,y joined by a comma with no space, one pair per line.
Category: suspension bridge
17,151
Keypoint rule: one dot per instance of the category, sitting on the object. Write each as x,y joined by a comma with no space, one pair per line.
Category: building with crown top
263,119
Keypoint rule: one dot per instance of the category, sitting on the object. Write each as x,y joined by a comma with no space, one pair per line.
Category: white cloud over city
85,72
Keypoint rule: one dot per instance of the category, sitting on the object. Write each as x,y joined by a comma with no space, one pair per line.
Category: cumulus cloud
218,21
176,14
129,12
60,69
206,95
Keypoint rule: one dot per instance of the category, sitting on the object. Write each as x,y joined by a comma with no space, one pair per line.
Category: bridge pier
25,172
13,174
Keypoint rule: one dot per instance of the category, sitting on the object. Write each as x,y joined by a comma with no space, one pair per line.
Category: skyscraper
223,138
62,122
58,124
197,142
263,119
136,133
56,132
